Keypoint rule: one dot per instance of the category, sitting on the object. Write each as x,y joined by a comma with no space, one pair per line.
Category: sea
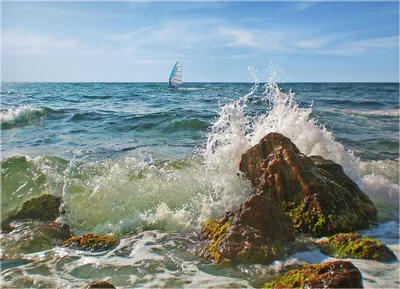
152,165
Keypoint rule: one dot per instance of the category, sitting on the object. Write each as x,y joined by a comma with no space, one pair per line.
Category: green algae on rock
357,247
215,230
338,274
255,233
91,242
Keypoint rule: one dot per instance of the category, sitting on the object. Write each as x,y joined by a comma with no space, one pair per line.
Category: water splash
236,130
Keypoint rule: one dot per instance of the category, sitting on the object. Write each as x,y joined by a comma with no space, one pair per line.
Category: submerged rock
32,236
91,242
100,284
43,208
339,274
255,233
357,247
318,196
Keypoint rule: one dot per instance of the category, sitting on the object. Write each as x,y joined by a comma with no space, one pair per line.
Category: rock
339,274
255,233
314,192
43,208
357,247
32,236
91,242
100,284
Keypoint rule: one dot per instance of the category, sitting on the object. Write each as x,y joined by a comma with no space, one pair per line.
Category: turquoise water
156,164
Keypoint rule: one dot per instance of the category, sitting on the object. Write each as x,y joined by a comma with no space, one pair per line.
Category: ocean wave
139,192
356,103
186,124
389,112
129,194
89,115
97,96
380,181
21,116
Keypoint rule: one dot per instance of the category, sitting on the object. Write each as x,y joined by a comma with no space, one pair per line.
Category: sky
221,41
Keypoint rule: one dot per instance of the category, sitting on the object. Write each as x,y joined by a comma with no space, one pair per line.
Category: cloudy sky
217,41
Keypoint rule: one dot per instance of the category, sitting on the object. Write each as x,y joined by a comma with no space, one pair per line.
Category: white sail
175,78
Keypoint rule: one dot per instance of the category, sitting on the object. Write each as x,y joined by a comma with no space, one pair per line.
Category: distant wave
186,124
21,116
389,112
192,88
357,103
97,96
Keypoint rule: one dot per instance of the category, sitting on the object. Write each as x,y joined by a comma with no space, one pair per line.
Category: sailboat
175,78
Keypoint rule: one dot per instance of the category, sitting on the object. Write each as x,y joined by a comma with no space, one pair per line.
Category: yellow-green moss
356,246
294,278
91,242
311,220
215,230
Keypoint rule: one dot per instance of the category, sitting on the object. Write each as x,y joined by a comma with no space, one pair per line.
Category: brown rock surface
355,246
255,233
338,274
318,196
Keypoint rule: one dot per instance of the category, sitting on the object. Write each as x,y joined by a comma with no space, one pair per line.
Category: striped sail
175,78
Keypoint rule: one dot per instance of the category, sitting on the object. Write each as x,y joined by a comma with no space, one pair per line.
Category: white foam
388,112
19,114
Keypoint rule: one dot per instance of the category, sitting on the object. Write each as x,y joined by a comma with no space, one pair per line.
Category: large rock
339,274
357,247
43,208
318,196
255,233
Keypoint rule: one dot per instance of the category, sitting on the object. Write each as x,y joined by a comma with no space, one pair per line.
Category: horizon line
250,82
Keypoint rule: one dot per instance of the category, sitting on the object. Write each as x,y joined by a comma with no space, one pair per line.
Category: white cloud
239,37
318,42
147,62
18,40
305,5
364,46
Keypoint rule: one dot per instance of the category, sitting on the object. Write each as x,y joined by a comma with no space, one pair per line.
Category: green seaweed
295,278
215,230
91,242
355,246
305,219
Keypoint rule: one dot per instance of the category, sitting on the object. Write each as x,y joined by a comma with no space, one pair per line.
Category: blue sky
217,41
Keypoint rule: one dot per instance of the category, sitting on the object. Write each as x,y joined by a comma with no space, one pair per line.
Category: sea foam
20,116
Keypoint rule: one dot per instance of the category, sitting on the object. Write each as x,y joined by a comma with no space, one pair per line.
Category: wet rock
100,284
43,208
255,233
339,274
318,196
357,247
91,242
32,236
